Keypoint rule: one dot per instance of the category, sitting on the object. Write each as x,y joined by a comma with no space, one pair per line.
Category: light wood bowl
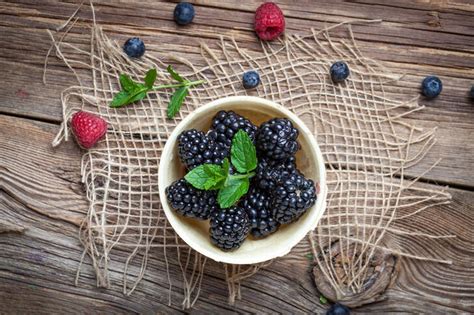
309,160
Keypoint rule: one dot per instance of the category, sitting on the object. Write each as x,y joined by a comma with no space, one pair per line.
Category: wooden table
41,190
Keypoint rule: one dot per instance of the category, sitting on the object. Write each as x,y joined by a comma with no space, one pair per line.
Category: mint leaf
127,83
323,299
226,165
174,74
177,100
150,78
243,152
232,191
120,99
206,176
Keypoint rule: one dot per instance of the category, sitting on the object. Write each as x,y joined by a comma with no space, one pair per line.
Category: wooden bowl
196,233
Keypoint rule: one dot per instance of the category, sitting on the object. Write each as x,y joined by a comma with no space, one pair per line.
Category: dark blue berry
472,92
184,13
431,86
338,309
134,47
229,228
191,202
250,80
339,71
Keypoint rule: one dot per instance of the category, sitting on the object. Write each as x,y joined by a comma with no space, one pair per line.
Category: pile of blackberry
279,193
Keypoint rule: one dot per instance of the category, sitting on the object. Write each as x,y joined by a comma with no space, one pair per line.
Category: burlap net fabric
365,141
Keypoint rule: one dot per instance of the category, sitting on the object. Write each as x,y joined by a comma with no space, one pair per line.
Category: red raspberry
88,128
269,21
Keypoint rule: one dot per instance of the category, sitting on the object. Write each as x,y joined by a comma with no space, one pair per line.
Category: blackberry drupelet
276,139
226,124
229,227
269,172
195,148
191,202
257,205
292,197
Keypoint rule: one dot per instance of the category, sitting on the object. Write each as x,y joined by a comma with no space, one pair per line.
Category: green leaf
150,78
323,299
310,256
176,101
226,165
206,176
127,83
243,152
174,74
232,191
120,99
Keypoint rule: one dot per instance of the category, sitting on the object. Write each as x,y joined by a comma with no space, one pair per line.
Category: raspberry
269,21
269,173
196,148
276,139
88,128
229,228
191,202
292,197
226,124
257,205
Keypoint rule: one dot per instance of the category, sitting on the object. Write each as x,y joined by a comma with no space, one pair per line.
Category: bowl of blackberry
242,180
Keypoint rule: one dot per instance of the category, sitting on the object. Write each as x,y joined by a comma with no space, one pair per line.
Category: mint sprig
231,187
133,91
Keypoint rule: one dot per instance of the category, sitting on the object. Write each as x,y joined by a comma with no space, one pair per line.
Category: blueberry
431,86
472,92
134,47
184,13
339,71
251,79
338,309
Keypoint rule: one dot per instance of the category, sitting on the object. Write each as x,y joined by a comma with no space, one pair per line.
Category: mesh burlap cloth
360,127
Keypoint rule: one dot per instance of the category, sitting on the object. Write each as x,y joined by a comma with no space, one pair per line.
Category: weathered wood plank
41,263
407,42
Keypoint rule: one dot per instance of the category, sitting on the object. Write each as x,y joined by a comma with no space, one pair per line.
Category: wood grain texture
407,42
42,262
40,188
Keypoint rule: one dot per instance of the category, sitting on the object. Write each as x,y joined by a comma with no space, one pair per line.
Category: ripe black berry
431,86
134,47
250,80
276,139
292,197
191,202
257,205
339,71
226,124
269,172
229,228
195,148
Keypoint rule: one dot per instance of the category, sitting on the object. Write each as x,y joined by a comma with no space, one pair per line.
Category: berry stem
187,83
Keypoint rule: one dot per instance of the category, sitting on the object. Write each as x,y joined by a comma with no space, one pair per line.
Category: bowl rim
226,257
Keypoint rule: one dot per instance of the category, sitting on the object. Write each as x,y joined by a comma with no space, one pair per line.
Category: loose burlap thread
365,140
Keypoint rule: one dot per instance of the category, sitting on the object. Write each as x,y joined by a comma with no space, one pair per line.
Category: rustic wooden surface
41,198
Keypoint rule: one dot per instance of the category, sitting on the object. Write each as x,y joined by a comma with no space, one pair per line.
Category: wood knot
358,274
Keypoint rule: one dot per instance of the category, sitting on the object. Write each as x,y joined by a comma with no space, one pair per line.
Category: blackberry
269,173
191,202
276,139
196,148
292,197
431,86
229,228
257,206
226,124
